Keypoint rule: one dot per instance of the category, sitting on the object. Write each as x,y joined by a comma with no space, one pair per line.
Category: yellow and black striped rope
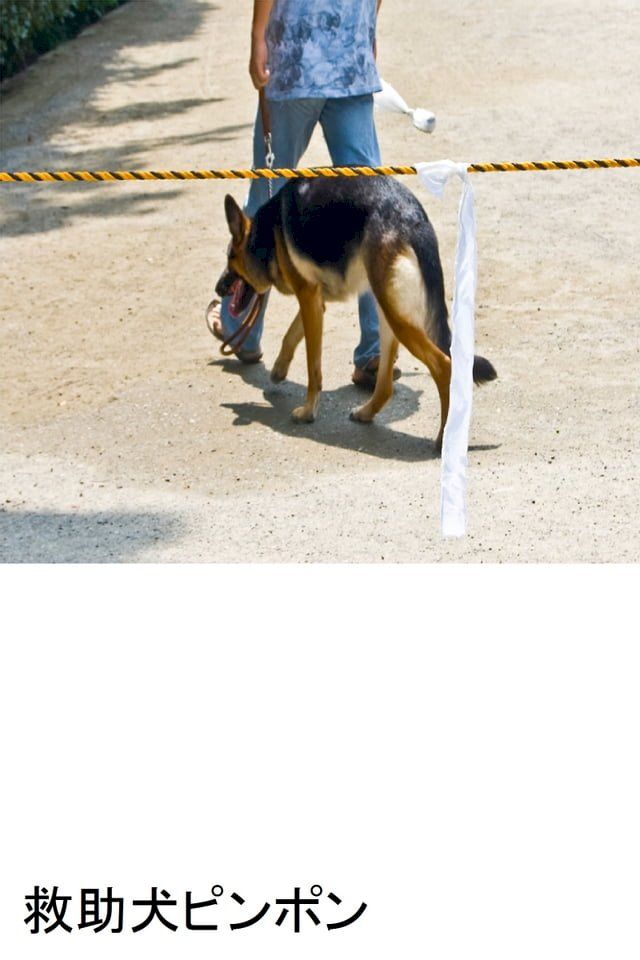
96,176
91,176
553,165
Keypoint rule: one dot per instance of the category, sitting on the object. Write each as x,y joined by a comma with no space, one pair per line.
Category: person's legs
349,129
350,132
292,123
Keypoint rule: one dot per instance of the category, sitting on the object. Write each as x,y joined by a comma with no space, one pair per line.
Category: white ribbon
453,514
389,100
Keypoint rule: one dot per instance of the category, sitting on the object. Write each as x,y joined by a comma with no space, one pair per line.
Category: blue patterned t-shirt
321,48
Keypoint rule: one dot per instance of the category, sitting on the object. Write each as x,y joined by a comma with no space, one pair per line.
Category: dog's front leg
311,312
291,339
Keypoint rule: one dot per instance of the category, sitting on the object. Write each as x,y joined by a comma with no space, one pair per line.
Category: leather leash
235,340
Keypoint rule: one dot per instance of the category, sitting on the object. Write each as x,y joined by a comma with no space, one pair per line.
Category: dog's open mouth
241,297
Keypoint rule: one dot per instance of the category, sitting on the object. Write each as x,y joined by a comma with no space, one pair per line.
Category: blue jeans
350,134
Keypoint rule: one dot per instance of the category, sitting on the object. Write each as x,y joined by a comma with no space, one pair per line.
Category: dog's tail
483,370
426,251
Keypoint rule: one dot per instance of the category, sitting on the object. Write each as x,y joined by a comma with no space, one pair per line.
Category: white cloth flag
453,514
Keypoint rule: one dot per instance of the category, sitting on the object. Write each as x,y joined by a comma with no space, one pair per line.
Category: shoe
214,323
365,377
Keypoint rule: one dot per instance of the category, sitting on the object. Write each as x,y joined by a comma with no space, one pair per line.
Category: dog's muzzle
240,292
226,282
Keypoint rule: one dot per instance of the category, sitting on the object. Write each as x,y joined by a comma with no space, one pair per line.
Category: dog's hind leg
438,364
409,330
312,313
384,380
290,341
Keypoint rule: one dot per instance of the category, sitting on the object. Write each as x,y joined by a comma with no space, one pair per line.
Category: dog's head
239,266
239,228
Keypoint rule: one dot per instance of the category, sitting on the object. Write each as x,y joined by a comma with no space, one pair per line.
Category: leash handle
235,340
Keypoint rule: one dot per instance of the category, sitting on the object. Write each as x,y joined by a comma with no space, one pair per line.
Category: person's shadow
333,426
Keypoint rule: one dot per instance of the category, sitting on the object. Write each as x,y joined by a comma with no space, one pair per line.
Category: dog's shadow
333,426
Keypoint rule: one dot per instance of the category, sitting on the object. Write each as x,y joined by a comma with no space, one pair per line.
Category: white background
458,747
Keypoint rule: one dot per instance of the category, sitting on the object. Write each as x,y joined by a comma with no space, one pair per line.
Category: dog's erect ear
235,218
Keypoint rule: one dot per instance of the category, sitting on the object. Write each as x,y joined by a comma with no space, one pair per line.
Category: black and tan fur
324,240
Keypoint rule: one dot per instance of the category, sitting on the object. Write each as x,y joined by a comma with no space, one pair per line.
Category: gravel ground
127,438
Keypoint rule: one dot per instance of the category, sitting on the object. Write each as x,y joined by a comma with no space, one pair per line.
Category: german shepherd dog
324,240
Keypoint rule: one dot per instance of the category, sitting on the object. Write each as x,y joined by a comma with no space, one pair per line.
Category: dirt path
125,437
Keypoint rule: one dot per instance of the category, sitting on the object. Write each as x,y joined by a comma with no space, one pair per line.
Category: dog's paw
278,375
361,415
303,415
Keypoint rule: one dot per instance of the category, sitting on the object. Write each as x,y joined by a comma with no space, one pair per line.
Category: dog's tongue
237,291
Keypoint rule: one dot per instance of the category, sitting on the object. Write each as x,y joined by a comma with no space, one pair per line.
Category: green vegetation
31,27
